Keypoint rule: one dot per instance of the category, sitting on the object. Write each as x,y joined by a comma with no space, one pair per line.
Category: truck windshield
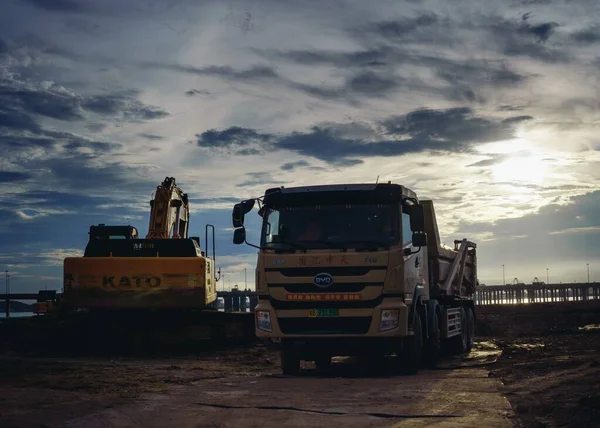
323,226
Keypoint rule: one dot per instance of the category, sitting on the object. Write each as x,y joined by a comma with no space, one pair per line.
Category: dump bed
138,282
453,271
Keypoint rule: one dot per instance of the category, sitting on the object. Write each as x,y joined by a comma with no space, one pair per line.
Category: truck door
415,264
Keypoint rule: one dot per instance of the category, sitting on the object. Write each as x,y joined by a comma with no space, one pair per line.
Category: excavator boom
169,213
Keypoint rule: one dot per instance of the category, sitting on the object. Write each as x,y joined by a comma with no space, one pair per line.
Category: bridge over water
245,300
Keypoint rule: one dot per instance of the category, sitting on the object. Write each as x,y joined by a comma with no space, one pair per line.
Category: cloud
578,213
290,166
22,102
13,119
98,102
52,100
58,5
589,36
561,237
493,160
251,74
451,130
151,136
522,38
13,176
233,136
261,178
200,92
393,52
124,105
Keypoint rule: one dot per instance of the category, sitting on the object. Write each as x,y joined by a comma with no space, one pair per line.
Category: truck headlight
263,320
389,319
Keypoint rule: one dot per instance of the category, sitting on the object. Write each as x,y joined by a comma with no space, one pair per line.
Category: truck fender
417,304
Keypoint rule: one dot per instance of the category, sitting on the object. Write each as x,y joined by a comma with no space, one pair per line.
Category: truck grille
344,325
332,270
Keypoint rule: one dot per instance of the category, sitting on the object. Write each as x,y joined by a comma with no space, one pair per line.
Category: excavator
167,269
128,293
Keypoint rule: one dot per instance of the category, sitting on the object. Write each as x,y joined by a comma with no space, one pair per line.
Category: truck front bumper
354,322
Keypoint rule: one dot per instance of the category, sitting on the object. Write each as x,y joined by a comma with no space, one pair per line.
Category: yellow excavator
166,270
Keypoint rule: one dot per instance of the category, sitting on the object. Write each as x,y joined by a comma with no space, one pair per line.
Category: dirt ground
550,375
552,380
42,392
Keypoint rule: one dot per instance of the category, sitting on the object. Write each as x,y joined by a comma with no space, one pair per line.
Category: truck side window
272,225
406,232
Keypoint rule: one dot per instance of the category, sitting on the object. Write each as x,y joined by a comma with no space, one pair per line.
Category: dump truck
358,270
165,270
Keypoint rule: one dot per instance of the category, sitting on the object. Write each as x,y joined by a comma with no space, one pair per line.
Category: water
17,314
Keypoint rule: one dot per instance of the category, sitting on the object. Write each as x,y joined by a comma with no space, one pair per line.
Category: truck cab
342,270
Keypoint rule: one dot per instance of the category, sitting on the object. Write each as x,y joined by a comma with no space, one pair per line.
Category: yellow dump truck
358,269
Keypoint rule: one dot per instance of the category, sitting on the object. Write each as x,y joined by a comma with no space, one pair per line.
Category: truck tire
412,352
470,329
290,361
459,343
433,345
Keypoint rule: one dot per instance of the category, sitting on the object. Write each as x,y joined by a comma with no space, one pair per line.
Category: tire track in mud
382,415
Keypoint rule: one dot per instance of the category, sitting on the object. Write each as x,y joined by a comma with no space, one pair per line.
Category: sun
521,168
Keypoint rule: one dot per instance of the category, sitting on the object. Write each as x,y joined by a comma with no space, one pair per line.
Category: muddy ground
550,372
552,380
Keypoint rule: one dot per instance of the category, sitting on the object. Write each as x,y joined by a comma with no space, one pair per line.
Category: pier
536,293
513,294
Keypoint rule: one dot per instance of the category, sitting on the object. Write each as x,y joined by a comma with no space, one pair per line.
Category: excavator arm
169,215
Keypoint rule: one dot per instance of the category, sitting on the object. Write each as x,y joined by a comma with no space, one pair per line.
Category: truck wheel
434,343
290,362
470,329
412,352
459,343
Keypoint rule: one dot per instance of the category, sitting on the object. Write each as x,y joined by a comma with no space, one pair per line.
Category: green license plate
318,313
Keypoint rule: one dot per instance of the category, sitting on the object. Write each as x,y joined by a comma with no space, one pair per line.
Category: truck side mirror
237,216
419,239
240,210
239,236
417,218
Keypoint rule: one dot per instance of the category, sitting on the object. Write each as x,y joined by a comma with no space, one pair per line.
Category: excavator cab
102,231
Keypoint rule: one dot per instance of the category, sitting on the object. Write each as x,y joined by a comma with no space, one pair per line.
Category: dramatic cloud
289,166
13,176
451,130
490,109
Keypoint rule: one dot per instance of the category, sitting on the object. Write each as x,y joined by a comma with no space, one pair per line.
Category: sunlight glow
528,169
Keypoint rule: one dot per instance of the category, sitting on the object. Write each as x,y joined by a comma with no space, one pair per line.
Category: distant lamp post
503,276
7,303
547,277
245,279
588,271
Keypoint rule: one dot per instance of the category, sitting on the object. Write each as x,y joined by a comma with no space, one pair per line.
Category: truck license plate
318,313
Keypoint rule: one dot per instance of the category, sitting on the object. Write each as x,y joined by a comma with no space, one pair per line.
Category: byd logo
323,280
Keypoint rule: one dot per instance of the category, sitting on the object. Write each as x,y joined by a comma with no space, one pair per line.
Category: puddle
527,345
590,327
485,345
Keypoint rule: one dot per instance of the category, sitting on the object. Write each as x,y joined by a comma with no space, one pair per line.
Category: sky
489,108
